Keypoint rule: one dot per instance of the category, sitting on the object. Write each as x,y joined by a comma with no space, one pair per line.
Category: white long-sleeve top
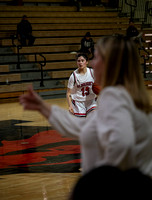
116,133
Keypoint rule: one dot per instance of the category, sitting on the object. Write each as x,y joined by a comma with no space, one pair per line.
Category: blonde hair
122,67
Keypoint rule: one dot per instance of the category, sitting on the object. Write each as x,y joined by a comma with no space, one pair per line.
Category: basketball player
81,99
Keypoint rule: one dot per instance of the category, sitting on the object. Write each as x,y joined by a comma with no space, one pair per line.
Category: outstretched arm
61,119
32,101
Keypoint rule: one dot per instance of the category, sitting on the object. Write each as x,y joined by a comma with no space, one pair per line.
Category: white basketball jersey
81,85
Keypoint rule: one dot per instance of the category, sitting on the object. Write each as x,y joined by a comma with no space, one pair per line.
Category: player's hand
71,110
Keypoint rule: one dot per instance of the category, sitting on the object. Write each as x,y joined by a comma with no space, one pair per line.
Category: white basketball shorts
82,108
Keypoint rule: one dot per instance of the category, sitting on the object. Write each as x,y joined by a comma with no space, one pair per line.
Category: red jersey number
85,91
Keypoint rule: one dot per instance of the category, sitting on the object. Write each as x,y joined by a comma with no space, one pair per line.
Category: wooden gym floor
36,163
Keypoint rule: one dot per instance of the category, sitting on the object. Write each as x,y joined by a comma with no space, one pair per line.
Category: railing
148,11
132,4
42,63
14,37
140,11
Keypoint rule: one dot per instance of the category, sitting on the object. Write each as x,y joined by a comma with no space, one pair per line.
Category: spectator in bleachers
24,32
87,45
77,3
132,32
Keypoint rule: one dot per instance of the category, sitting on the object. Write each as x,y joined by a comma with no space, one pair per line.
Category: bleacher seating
58,31
4,68
50,1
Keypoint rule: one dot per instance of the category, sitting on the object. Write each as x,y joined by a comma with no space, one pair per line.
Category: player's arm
69,100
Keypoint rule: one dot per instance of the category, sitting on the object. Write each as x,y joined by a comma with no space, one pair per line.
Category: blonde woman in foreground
118,134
